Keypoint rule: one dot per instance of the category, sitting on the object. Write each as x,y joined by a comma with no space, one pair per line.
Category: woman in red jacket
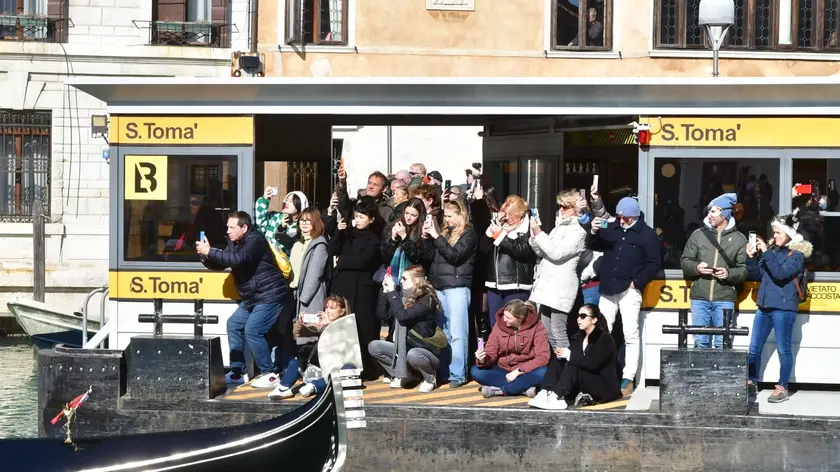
517,353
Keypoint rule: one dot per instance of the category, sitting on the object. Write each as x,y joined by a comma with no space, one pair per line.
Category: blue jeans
780,321
495,377
592,295
255,322
496,299
455,322
706,313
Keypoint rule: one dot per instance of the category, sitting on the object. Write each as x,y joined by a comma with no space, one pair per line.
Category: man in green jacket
714,260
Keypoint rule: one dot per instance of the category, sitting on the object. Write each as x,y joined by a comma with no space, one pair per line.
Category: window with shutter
191,23
316,22
33,20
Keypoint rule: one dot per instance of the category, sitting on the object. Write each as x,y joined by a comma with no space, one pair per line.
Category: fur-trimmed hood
803,246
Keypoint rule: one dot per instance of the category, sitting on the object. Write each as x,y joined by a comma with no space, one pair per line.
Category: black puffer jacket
254,269
510,265
420,316
450,266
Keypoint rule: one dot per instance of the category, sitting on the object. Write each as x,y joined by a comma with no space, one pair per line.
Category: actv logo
144,178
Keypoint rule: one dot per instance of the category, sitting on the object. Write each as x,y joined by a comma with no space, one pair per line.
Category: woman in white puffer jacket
556,281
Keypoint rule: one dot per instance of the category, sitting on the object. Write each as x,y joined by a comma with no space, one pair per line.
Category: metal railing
29,28
729,330
104,291
187,33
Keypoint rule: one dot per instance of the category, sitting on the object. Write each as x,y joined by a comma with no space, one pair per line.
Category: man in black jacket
631,259
261,287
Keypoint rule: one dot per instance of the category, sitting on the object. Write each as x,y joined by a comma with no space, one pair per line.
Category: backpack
801,282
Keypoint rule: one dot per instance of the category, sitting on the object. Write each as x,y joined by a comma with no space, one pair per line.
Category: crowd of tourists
468,285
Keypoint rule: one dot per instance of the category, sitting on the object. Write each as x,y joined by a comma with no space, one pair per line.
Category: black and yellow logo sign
145,177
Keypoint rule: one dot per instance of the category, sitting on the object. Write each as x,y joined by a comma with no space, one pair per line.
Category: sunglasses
195,202
583,316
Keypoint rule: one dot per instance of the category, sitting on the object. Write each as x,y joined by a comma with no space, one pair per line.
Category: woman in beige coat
556,281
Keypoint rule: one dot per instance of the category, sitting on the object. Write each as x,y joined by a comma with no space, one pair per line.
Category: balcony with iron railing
29,28
187,33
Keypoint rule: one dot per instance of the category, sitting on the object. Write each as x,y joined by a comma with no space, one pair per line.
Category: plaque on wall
451,5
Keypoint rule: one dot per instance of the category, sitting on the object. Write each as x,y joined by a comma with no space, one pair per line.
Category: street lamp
717,16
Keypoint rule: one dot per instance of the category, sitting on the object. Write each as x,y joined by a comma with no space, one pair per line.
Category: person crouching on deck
517,352
588,374
261,288
418,340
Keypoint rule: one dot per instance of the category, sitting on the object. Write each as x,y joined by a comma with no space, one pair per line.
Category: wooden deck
378,393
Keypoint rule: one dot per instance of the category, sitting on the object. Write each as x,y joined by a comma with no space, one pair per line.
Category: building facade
538,38
47,151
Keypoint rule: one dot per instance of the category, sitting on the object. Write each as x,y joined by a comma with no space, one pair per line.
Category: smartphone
201,236
274,191
533,212
595,182
803,189
752,239
311,318
480,343
388,272
583,193
337,215
447,184
604,223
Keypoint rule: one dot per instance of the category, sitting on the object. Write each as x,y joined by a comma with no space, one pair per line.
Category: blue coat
777,268
254,269
629,256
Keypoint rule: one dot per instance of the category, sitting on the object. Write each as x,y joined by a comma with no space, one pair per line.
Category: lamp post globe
716,16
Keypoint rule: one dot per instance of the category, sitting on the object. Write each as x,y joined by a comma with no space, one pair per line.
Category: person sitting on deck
304,327
586,370
261,288
418,340
517,352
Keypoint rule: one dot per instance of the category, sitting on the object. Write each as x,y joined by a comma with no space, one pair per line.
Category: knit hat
788,224
629,207
304,202
725,202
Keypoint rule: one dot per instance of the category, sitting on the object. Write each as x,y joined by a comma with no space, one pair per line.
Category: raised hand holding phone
342,225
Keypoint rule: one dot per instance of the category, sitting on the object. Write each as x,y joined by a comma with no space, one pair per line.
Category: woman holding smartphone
509,257
402,240
359,256
451,254
281,226
409,356
779,265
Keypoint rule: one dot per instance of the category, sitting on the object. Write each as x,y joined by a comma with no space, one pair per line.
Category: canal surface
18,389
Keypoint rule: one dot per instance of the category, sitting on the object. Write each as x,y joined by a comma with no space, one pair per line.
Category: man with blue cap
631,259
714,260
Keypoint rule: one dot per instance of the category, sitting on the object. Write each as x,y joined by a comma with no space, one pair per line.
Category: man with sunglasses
714,260
631,259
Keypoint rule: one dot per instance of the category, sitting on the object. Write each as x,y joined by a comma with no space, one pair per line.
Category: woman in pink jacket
516,355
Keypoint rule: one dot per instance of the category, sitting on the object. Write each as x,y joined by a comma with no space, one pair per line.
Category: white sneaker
554,402
539,400
386,380
266,380
241,379
426,386
307,390
281,392
397,383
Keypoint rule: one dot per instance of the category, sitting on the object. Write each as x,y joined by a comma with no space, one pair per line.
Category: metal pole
389,140
715,54
198,327
39,269
158,317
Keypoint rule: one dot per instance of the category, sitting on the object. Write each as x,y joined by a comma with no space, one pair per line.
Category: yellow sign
145,177
744,132
196,130
674,295
140,285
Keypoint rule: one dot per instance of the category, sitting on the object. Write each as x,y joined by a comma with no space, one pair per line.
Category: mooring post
728,323
158,317
39,269
198,327
682,336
